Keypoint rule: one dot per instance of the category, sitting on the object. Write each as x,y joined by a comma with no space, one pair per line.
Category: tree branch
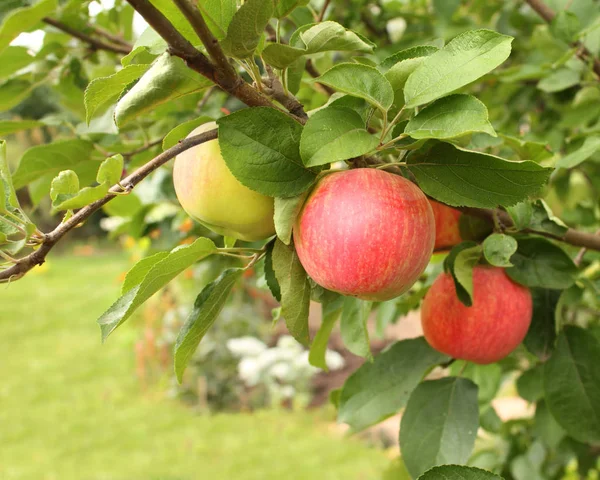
225,70
93,42
180,47
113,37
548,15
323,10
38,256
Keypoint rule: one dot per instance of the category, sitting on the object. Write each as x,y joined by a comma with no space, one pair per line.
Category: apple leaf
103,89
458,472
183,130
450,117
286,212
261,147
8,199
420,51
360,81
247,27
169,9
333,134
530,385
540,263
572,384
353,327
50,159
270,277
295,290
463,60
206,309
459,177
137,273
13,92
167,79
541,335
498,248
284,7
218,15
381,388
161,273
331,308
446,413
459,263
590,146
13,59
23,19
559,80
546,428
7,127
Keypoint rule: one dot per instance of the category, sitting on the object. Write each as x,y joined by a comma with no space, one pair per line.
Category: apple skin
447,232
486,332
365,233
211,195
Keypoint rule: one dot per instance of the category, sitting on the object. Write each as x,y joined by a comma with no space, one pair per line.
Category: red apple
486,332
447,232
365,233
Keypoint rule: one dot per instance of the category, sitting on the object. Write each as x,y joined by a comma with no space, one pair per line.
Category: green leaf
148,43
166,80
157,277
458,472
101,90
261,148
540,263
295,290
527,150
246,28
463,60
381,388
333,134
572,384
270,277
286,212
544,220
331,307
7,127
459,263
8,199
50,159
218,15
285,7
521,214
450,117
360,81
439,424
24,19
498,248
559,80
183,130
589,147
420,51
174,15
13,59
546,427
541,335
280,55
110,170
13,92
530,385
565,26
207,307
137,273
353,326
460,177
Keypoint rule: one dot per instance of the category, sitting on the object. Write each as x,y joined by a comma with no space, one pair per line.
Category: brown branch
548,15
180,47
113,37
38,257
227,74
92,42
143,148
322,14
572,237
275,89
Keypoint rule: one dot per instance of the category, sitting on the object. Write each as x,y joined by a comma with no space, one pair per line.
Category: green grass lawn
71,408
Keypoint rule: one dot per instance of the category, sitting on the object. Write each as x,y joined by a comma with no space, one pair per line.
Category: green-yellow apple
365,233
486,332
210,194
447,231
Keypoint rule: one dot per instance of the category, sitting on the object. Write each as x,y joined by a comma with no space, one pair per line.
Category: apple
365,233
447,231
211,195
486,332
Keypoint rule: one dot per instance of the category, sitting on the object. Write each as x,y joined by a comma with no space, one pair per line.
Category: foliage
485,105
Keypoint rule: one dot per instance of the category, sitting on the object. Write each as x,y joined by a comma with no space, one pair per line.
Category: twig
110,36
225,71
322,14
548,15
181,47
579,257
276,90
143,148
93,42
50,239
